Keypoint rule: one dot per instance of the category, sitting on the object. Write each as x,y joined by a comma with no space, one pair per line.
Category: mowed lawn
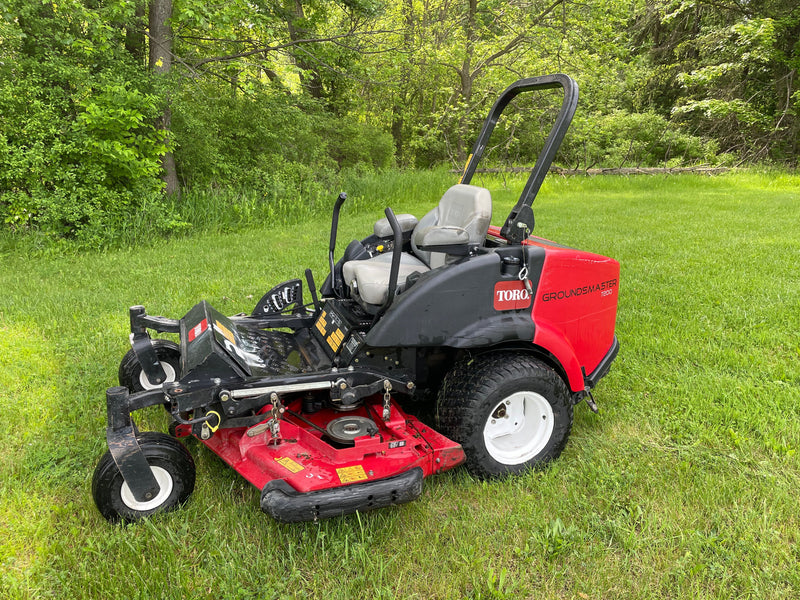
686,484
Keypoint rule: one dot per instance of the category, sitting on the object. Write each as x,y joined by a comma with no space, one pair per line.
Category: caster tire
172,466
509,411
131,375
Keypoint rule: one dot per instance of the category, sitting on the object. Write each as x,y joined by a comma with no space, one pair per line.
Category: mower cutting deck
312,402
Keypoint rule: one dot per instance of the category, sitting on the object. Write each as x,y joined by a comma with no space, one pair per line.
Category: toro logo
511,295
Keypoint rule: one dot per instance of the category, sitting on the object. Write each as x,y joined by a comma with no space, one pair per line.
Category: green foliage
79,149
727,72
268,142
621,139
271,100
353,144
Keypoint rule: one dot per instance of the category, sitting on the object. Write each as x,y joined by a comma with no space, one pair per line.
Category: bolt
343,386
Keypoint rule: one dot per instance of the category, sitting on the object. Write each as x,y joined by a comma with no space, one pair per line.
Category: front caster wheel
509,411
132,376
172,466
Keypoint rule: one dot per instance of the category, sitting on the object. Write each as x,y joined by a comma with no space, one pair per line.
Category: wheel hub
518,428
169,371
165,484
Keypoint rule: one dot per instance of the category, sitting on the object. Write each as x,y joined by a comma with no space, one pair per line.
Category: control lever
312,288
334,227
395,269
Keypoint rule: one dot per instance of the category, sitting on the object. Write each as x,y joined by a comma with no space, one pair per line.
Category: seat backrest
466,206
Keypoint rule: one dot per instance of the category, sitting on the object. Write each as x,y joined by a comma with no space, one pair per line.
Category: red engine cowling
575,308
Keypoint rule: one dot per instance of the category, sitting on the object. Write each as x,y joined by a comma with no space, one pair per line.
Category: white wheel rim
164,480
518,428
169,371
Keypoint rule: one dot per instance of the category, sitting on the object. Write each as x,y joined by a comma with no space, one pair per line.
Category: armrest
443,235
444,238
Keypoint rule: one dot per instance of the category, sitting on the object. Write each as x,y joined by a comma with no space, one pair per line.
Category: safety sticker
289,464
351,474
335,339
225,331
464,172
197,330
322,323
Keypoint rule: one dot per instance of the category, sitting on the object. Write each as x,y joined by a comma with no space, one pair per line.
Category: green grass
685,485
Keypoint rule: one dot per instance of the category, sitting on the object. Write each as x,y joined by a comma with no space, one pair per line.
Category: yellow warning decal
289,464
464,172
321,323
335,339
225,331
351,474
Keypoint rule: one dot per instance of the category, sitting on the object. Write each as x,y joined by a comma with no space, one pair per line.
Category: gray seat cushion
462,216
466,206
369,279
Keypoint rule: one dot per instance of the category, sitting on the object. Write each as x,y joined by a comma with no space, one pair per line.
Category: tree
160,61
78,151
728,69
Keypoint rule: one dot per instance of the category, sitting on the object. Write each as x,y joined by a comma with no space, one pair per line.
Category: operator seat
461,219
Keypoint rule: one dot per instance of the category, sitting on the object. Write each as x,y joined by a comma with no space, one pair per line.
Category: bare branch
290,44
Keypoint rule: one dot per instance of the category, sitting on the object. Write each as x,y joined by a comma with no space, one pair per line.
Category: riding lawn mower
317,403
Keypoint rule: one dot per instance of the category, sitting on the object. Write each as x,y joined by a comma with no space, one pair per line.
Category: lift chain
387,387
277,412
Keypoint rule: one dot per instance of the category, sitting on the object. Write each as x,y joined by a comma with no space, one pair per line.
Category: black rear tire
172,466
509,411
131,375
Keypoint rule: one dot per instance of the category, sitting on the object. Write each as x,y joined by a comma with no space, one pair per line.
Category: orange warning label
289,464
351,474
225,331
335,339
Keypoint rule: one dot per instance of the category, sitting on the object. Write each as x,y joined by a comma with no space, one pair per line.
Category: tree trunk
309,76
401,99
134,32
466,78
161,62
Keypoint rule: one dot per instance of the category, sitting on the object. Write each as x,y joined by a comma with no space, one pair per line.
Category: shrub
79,150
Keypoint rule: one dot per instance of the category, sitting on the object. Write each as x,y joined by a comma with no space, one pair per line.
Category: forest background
114,108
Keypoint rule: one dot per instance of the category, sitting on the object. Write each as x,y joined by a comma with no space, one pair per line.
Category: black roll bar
520,220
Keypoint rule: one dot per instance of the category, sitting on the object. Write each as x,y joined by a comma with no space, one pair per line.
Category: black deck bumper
283,503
